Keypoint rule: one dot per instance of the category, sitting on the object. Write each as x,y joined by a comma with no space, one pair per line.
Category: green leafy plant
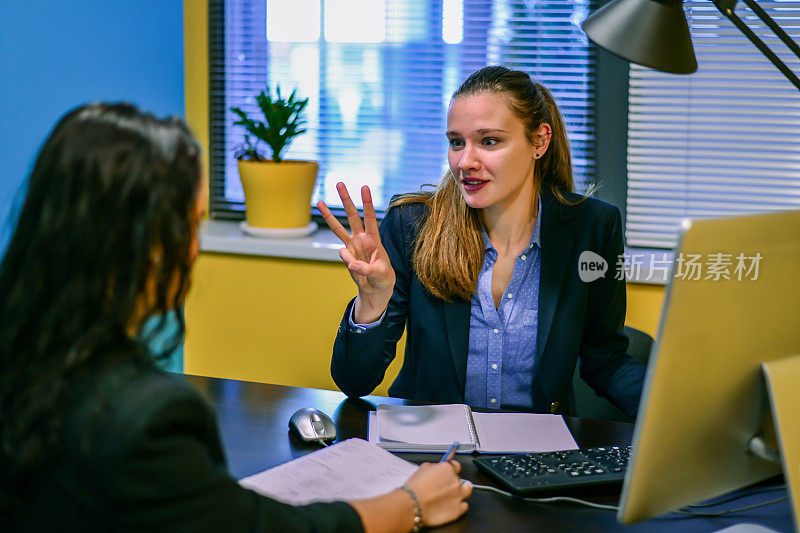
282,121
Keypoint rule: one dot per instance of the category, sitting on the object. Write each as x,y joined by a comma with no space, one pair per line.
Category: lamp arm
726,8
776,29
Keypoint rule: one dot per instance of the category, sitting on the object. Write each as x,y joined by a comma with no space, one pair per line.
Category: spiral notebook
433,428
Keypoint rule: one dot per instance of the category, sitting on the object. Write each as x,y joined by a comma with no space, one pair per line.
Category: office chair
588,404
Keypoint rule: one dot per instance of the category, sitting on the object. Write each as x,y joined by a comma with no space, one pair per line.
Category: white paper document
348,470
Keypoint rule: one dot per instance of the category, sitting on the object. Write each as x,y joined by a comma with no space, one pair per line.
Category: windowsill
647,266
225,236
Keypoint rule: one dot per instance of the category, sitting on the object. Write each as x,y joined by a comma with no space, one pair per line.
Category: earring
537,156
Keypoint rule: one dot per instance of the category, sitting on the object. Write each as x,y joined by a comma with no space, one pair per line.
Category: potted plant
277,191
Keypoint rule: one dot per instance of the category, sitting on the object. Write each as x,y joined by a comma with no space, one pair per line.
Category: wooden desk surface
253,419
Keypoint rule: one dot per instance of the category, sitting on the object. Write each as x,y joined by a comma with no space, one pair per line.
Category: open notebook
433,428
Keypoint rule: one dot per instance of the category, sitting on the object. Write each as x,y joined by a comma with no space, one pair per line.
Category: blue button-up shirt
501,359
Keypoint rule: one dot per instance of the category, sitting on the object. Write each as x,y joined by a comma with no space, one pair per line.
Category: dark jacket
576,319
141,452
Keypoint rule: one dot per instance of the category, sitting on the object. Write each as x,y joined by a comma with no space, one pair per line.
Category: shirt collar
536,238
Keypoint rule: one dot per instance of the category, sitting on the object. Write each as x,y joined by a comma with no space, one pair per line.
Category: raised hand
364,255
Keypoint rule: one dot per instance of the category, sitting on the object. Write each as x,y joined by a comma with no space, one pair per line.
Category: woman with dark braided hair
483,272
92,435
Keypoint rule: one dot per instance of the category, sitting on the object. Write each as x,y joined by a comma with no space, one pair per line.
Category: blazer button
554,408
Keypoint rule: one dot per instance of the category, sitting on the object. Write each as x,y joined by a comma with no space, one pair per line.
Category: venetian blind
722,141
379,75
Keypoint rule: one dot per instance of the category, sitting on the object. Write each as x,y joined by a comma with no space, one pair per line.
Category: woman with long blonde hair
483,272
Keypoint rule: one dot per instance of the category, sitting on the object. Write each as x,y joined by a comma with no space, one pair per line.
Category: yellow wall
274,320
195,71
266,319
644,307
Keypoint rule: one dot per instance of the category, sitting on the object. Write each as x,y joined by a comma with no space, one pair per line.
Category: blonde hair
449,249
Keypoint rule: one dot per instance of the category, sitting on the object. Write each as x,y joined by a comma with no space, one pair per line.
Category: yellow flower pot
278,195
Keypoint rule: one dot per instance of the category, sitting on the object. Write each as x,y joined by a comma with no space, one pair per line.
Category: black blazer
577,320
141,451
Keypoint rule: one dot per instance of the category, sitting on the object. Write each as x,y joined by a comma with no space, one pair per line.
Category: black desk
254,417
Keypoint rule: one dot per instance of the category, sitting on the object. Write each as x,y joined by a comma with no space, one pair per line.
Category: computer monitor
704,395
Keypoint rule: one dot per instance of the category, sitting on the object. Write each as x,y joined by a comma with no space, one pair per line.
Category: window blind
722,141
379,75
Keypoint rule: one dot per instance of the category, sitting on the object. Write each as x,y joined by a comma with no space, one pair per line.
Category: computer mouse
311,425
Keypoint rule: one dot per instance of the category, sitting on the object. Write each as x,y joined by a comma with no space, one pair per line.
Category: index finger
334,224
455,464
370,220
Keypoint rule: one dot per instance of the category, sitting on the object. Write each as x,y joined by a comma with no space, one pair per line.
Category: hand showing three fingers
364,255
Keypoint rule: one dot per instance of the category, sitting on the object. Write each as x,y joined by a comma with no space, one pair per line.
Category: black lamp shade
647,32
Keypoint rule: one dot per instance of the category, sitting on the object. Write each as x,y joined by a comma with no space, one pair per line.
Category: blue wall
57,54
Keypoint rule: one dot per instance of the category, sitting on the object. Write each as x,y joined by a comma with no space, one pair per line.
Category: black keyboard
546,472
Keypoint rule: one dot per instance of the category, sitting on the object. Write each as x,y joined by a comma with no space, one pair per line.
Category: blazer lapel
456,319
557,234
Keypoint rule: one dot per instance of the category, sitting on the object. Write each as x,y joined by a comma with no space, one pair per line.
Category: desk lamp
655,34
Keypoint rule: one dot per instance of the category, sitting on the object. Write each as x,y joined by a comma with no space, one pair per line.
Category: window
722,141
379,75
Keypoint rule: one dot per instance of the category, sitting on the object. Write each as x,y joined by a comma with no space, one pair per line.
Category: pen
449,453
